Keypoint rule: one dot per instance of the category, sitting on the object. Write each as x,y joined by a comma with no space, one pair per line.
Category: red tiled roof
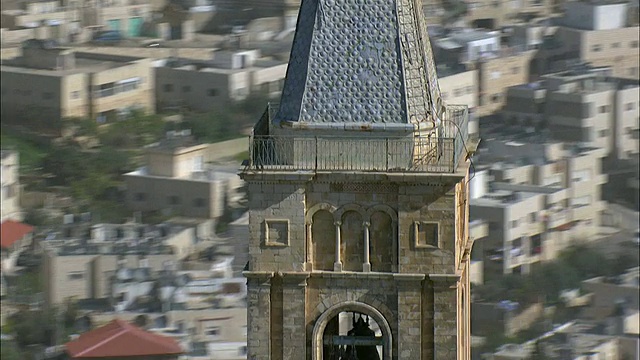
12,231
120,339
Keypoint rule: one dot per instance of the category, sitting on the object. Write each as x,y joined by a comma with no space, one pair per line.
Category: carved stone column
337,265
308,266
366,265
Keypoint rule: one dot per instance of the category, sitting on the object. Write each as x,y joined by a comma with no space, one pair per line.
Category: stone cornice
444,280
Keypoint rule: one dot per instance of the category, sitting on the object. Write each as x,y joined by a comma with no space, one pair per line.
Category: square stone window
427,234
276,232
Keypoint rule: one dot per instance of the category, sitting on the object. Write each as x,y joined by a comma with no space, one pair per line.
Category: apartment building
594,32
610,293
496,74
10,203
467,46
497,67
179,179
516,233
537,199
581,105
229,76
495,14
80,267
66,19
459,87
48,83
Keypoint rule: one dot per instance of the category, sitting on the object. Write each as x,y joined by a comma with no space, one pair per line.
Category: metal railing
439,151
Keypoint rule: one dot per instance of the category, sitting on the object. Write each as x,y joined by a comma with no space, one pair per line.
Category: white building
595,15
10,203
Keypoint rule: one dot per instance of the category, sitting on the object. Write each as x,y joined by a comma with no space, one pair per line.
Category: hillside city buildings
351,210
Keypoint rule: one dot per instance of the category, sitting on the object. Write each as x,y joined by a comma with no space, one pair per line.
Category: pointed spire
361,61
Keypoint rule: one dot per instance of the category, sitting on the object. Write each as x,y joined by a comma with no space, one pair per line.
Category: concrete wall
460,88
30,96
178,163
626,109
582,15
94,283
496,75
158,191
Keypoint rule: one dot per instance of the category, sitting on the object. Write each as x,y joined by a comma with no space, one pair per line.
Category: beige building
537,199
206,85
49,83
495,14
180,180
581,105
62,20
80,267
593,32
459,87
11,189
496,74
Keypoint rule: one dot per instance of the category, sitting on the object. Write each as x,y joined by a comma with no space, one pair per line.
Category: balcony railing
350,153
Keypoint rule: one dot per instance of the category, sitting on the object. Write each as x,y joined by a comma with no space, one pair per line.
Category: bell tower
358,212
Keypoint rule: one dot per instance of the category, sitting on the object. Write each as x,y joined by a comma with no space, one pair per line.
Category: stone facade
293,283
357,191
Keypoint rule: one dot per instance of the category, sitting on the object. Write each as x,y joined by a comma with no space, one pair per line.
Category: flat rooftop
84,63
502,198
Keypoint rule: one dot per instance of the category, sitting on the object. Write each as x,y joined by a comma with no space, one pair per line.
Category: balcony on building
435,147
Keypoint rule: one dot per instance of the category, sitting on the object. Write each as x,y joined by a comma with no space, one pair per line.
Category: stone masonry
357,192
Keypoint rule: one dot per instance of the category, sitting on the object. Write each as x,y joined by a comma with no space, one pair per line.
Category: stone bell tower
358,196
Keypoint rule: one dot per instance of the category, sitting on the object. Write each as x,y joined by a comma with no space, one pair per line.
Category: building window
581,201
615,45
76,275
47,96
602,133
276,232
596,48
458,92
514,223
427,234
242,351
168,87
186,89
140,196
633,44
212,92
212,331
173,200
581,175
629,106
199,202
532,217
75,94
469,89
603,109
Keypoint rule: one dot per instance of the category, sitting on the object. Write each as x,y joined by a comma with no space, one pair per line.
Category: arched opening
353,331
323,240
352,238
381,242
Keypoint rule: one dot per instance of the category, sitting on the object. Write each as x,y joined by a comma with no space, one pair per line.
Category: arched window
323,236
352,235
381,250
